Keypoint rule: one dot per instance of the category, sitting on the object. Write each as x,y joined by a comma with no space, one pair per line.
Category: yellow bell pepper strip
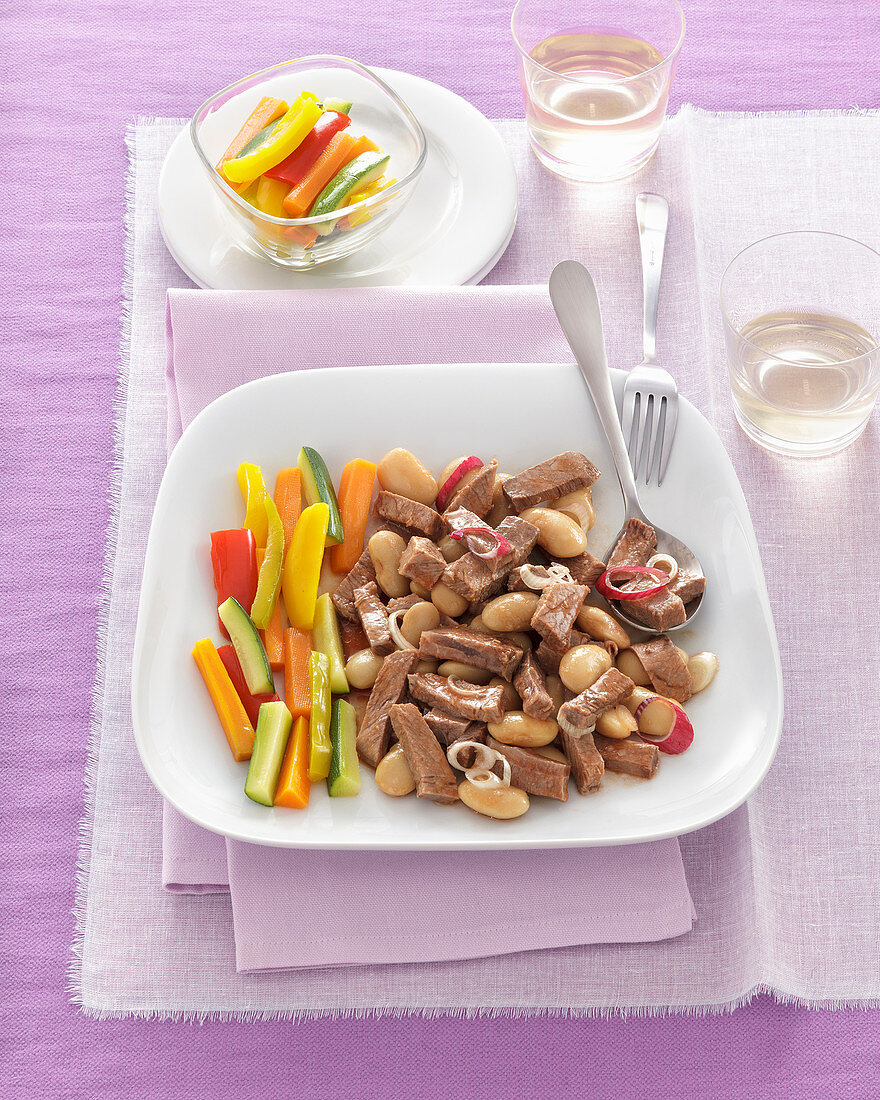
265,112
289,132
319,726
270,196
230,709
273,635
294,783
361,216
302,567
269,579
253,489
262,518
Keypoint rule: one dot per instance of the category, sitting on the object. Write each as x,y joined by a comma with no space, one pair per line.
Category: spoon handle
576,303
652,216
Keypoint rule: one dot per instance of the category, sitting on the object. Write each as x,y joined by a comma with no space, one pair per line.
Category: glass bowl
377,111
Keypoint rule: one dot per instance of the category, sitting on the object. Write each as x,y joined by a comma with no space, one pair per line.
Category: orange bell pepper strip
339,152
288,500
273,634
297,648
354,496
230,709
294,784
266,111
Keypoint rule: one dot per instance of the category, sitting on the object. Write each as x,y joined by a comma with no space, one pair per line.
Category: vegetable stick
288,500
273,634
355,493
266,111
339,152
297,685
251,702
230,709
294,784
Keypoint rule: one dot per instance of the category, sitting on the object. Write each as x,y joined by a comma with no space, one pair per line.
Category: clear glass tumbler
801,318
595,77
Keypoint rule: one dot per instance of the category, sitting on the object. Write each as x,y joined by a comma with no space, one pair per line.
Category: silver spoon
576,304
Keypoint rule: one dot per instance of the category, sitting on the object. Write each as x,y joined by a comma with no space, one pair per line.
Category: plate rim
765,755
488,257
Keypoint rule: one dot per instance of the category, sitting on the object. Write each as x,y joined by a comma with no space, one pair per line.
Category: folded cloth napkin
382,906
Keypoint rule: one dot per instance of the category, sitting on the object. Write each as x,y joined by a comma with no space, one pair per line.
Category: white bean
579,506
448,602
599,625
630,665
517,728
401,472
512,611
702,667
464,672
582,666
393,775
558,533
617,723
502,803
510,699
420,617
385,548
362,668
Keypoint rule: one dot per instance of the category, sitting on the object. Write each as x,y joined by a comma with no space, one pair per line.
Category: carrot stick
230,709
363,145
297,686
337,153
293,781
266,111
354,496
288,500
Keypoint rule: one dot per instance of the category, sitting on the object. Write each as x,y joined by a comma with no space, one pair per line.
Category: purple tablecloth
74,76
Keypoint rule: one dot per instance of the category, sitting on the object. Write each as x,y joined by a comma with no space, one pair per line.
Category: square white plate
521,414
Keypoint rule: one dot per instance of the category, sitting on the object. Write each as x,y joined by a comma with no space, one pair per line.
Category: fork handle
576,303
652,216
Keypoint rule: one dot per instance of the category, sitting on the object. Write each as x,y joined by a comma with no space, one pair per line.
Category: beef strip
422,562
480,704
361,572
659,612
476,579
611,688
471,648
374,619
556,612
415,517
389,688
476,731
447,727
403,603
353,637
666,668
456,519
427,761
637,543
532,689
687,586
585,568
533,773
477,496
550,480
548,655
630,756
587,765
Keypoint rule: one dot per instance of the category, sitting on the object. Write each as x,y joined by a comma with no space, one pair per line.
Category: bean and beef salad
465,650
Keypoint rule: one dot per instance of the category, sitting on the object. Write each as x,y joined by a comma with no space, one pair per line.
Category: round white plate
737,720
452,232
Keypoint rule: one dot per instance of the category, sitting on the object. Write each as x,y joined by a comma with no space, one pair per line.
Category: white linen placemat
788,888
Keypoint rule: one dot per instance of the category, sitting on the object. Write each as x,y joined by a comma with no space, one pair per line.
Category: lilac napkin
381,907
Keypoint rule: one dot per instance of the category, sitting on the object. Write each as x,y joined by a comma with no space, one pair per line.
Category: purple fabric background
74,76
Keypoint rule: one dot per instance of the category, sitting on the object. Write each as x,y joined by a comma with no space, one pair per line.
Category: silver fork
650,395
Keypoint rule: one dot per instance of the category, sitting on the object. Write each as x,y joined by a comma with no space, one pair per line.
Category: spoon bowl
576,303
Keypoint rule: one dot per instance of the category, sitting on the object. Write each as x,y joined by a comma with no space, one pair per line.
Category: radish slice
448,486
679,738
606,586
475,537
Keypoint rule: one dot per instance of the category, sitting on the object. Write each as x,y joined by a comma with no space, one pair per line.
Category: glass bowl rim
725,314
381,198
670,57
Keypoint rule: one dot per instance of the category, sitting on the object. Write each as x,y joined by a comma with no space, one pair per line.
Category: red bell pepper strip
250,702
234,558
292,169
